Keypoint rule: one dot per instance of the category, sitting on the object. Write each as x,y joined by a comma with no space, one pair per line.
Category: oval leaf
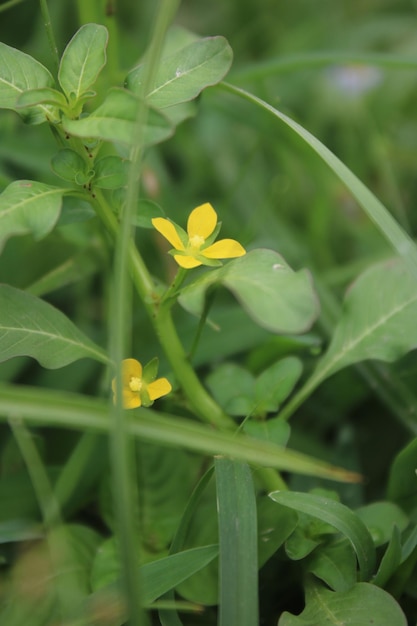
83,59
19,72
362,605
31,327
275,297
378,319
29,207
339,516
70,166
183,75
111,172
116,120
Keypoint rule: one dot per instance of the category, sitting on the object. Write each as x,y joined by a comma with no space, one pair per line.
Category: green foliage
270,373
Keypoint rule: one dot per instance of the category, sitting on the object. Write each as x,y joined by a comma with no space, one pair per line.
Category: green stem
200,400
66,583
160,314
10,5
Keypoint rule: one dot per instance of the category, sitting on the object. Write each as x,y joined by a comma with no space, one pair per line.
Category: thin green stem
121,441
66,582
50,33
10,5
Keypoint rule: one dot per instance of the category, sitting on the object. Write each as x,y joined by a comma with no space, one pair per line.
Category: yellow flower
195,247
138,384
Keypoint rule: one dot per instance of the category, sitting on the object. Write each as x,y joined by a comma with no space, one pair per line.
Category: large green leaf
362,605
184,74
83,59
377,322
276,297
75,411
116,120
339,516
236,505
378,319
19,72
27,206
31,327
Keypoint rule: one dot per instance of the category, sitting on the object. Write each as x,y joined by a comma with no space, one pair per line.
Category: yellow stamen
135,384
196,241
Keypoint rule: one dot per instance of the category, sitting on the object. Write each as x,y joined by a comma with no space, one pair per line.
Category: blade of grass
170,617
238,541
68,592
380,216
121,443
75,411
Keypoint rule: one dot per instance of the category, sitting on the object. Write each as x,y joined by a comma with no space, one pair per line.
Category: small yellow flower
139,387
195,247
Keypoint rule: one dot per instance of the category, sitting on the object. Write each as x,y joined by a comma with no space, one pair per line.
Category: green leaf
275,524
334,564
380,519
19,72
378,319
70,166
273,429
275,384
80,412
276,297
233,388
146,211
158,577
82,60
116,120
362,605
45,95
340,517
236,504
390,561
111,172
184,74
31,327
27,206
402,482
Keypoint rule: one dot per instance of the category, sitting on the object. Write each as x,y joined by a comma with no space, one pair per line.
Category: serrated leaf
82,60
19,72
275,297
362,605
116,120
31,327
340,517
184,74
29,207
378,319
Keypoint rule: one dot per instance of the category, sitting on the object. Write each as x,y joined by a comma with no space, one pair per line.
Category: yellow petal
224,249
202,221
187,262
131,400
159,387
168,230
131,368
